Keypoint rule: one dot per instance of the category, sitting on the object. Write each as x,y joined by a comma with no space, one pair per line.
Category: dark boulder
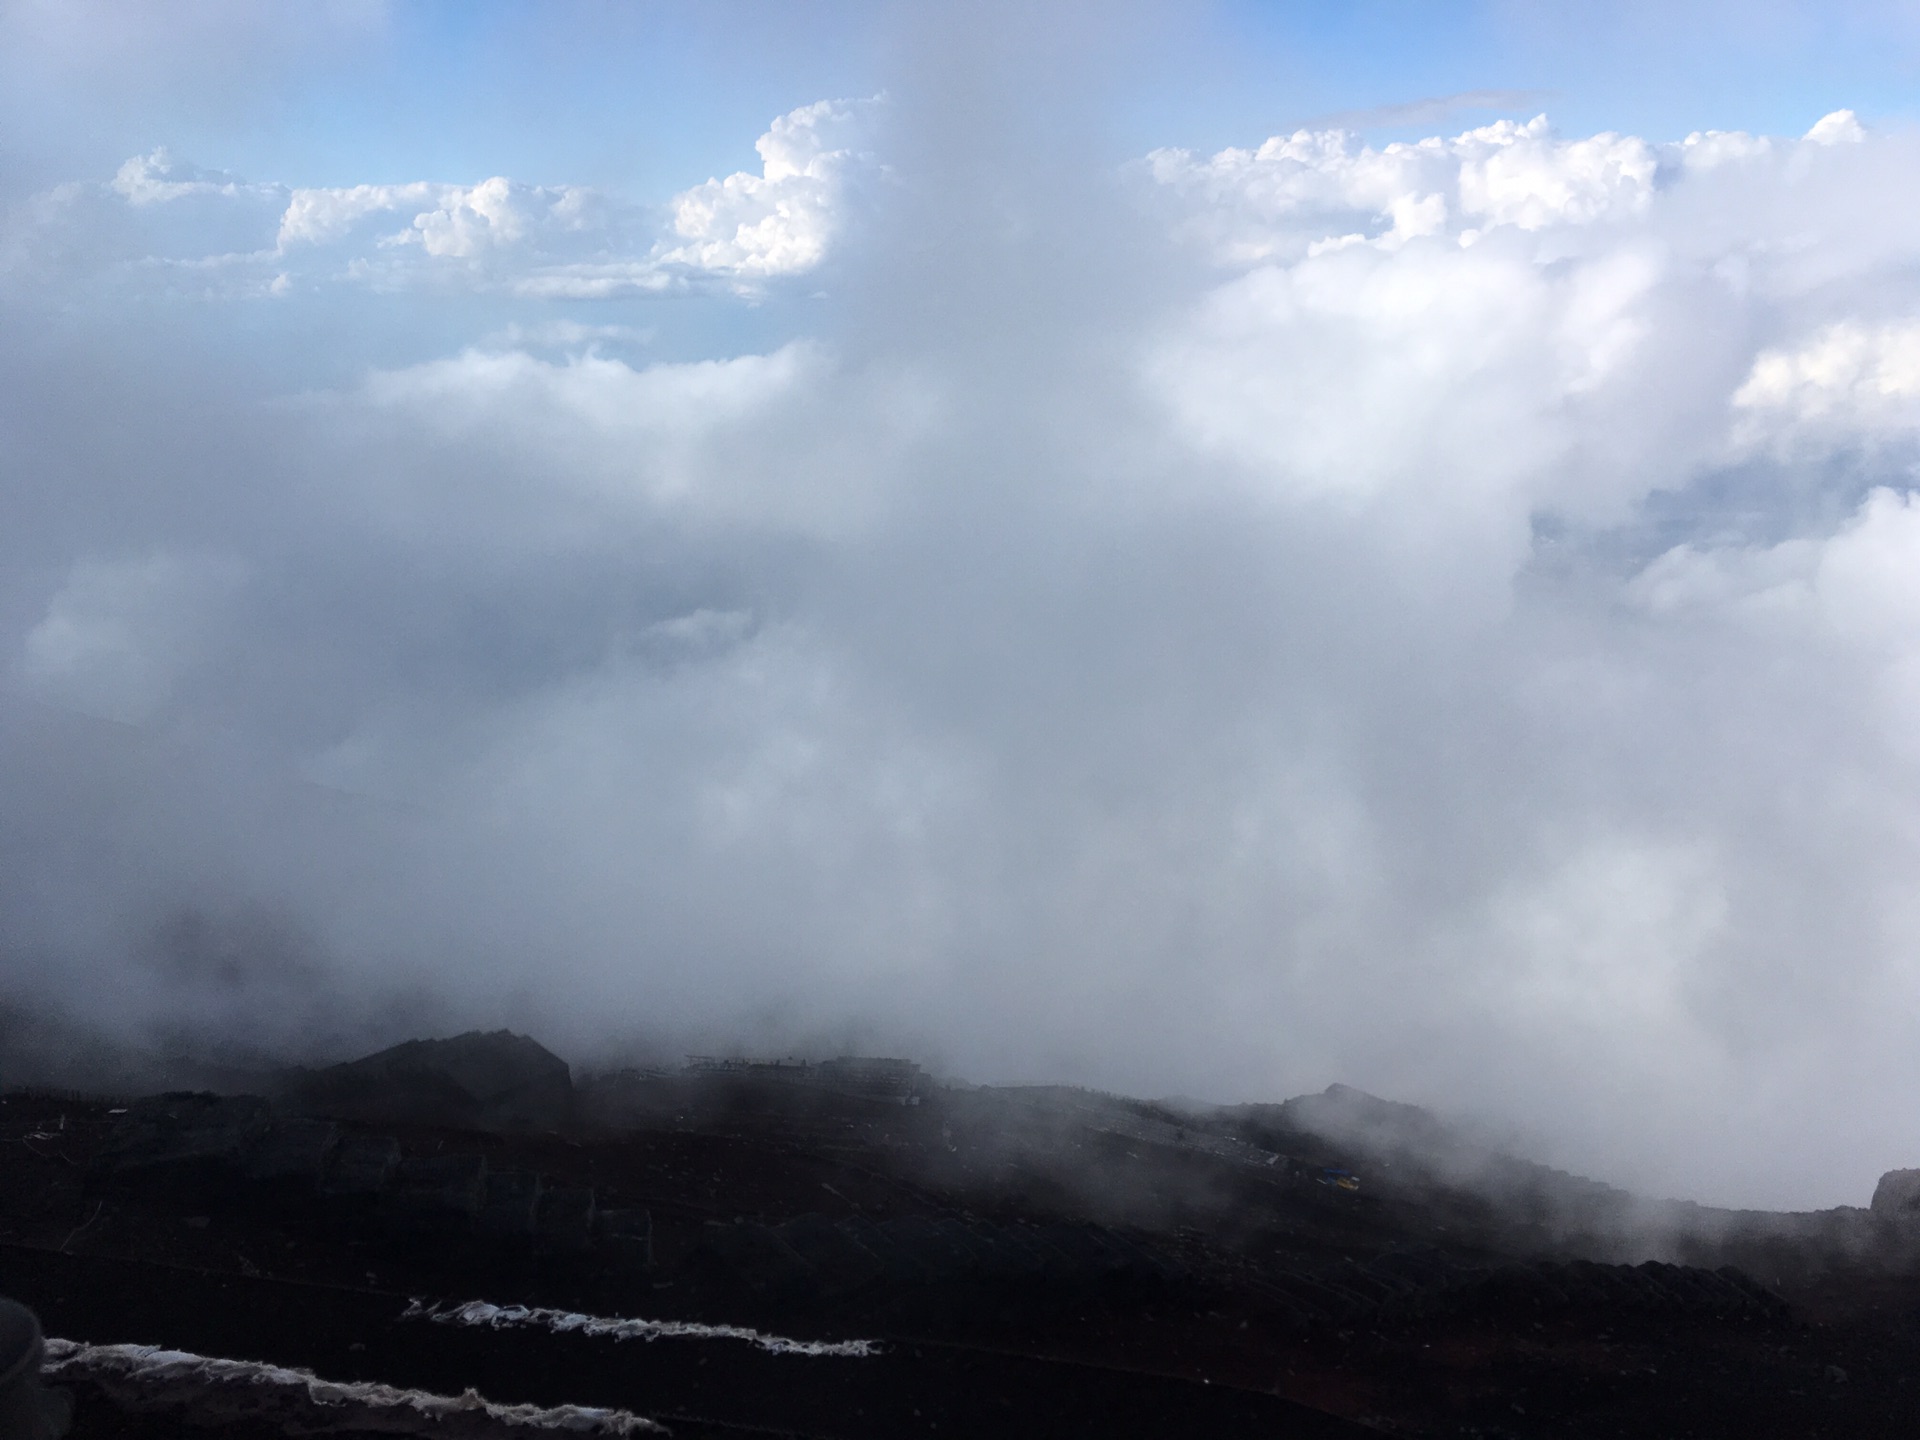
492,1080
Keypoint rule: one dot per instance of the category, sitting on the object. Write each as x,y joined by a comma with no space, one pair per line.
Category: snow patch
568,1322
149,1377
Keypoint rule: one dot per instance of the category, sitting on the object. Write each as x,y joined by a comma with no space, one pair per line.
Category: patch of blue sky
1260,67
643,99
646,98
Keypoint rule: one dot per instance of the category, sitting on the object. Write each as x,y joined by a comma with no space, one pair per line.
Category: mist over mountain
1440,614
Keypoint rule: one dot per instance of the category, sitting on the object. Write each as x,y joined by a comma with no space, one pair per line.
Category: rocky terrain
850,1249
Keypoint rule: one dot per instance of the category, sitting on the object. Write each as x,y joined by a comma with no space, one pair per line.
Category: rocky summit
460,1237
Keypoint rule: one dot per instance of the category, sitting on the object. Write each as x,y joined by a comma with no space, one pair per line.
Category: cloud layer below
1444,617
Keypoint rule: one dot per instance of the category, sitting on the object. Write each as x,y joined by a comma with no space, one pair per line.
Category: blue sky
642,96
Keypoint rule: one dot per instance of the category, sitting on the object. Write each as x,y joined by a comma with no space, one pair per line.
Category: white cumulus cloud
781,221
161,218
1854,380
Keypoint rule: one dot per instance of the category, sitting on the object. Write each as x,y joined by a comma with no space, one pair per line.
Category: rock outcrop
491,1080
1898,1193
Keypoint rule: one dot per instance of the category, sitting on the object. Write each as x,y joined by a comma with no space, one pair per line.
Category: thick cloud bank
1444,617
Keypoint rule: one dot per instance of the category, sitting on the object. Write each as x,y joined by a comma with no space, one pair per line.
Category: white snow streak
567,1322
155,1377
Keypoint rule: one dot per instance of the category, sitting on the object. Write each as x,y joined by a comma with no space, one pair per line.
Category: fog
1442,617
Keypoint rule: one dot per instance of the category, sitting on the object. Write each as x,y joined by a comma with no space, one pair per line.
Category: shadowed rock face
1898,1193
478,1081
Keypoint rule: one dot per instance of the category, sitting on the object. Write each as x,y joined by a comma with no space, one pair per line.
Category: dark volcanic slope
1033,1262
